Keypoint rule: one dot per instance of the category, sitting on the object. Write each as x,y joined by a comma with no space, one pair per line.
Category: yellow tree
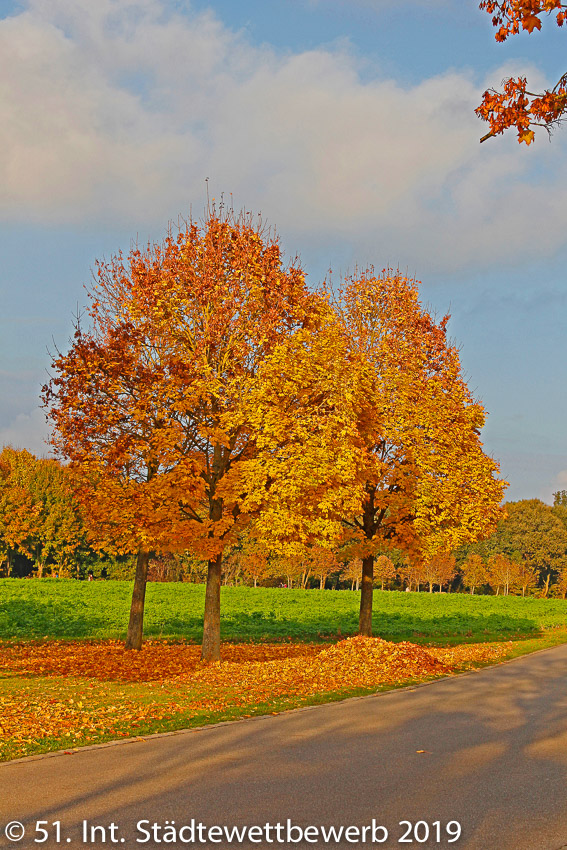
382,435
561,585
502,572
149,403
474,572
353,573
38,514
384,570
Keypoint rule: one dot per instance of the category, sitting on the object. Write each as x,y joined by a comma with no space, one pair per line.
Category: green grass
40,609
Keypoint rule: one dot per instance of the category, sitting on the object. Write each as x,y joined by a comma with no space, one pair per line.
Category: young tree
384,570
324,562
254,559
412,573
474,572
353,573
502,572
525,578
148,405
515,106
438,569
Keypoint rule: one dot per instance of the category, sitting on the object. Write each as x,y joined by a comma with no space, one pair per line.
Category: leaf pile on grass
357,662
108,661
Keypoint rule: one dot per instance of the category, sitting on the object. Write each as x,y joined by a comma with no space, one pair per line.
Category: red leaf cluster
516,107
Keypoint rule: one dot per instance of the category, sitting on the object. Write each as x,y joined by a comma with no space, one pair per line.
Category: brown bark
365,619
210,648
136,622
546,585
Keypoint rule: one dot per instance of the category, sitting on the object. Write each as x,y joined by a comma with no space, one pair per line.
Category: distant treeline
42,534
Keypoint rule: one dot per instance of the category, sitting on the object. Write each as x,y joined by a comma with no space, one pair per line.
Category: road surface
486,749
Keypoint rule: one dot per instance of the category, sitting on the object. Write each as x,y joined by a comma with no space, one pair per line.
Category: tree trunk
365,618
546,585
210,648
136,623
321,583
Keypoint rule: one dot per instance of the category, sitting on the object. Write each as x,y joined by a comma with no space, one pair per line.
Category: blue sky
349,125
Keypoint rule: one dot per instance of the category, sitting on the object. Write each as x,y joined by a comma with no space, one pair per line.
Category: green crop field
36,609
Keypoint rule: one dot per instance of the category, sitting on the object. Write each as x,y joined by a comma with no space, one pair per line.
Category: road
494,759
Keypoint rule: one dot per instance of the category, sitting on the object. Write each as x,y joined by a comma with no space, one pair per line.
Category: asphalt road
495,760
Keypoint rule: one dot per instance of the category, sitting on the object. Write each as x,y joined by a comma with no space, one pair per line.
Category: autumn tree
412,573
516,106
384,570
148,404
474,572
38,513
502,572
525,578
353,573
382,434
253,558
445,565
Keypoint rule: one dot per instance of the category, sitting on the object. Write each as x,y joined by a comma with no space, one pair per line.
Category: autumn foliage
516,106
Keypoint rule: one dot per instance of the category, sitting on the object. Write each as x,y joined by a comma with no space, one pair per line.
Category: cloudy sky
348,124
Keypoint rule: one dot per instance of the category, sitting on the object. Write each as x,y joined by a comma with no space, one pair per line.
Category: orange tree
383,443
474,572
384,570
515,106
148,404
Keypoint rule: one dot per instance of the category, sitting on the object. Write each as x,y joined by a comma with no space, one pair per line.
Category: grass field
66,681
48,609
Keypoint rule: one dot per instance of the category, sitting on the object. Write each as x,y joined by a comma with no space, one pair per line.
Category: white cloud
118,111
27,431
